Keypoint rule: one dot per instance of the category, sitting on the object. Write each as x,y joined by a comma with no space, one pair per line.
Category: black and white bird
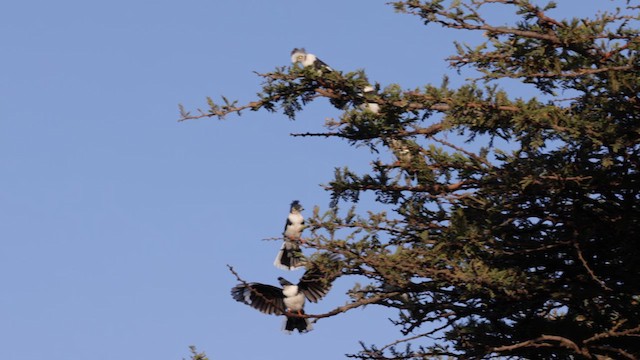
289,300
290,255
369,106
305,59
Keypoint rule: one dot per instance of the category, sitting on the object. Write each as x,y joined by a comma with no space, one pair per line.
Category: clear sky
117,221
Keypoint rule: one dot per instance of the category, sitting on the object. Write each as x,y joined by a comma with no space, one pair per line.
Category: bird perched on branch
300,55
411,159
305,59
369,106
290,256
289,300
403,150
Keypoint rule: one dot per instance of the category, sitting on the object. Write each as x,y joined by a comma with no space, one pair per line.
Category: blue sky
117,221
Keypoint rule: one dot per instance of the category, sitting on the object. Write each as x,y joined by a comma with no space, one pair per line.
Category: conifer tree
530,250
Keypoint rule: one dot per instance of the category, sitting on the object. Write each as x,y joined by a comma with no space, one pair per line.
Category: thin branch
540,248
578,73
609,54
436,190
614,333
468,153
566,178
429,131
576,245
327,134
620,352
444,104
354,305
461,24
222,112
544,341
426,334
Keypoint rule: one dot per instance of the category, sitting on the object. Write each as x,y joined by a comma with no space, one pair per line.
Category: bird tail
290,256
303,325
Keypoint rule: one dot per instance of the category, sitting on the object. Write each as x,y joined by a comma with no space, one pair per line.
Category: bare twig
545,341
576,245
615,333
356,304
426,334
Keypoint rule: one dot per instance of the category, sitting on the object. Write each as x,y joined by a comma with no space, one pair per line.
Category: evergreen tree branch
613,332
502,245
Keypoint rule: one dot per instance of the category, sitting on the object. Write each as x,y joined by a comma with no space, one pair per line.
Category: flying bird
290,255
289,299
305,59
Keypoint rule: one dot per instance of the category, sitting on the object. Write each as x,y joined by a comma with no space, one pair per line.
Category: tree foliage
527,247
195,355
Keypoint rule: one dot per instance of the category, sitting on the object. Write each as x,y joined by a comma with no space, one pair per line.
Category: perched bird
290,256
300,55
369,106
403,151
290,298
305,59
411,159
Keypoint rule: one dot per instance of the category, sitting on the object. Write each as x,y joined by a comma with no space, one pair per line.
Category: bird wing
319,64
265,298
316,281
287,224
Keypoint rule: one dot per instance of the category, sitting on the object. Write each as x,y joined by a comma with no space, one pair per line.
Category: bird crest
295,205
298,50
298,55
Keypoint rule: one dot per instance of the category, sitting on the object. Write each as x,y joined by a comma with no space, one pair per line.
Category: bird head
284,282
295,205
298,55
